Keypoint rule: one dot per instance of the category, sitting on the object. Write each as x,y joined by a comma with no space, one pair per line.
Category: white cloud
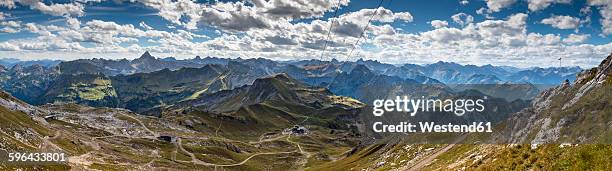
562,22
576,38
72,35
352,24
297,9
536,39
585,10
35,29
3,15
489,33
10,4
174,10
31,27
445,34
108,34
535,5
234,17
497,5
9,30
73,23
68,9
145,26
462,19
464,2
5,46
382,15
439,23
15,24
605,10
10,26
242,15
505,42
485,12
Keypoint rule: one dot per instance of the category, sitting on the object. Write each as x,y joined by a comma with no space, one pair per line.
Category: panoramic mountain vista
300,85
210,117
159,82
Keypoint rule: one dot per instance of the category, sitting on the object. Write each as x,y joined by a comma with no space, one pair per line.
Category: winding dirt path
250,157
199,162
194,159
429,159
154,134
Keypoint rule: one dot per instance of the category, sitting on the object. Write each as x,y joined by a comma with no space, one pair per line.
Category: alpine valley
259,114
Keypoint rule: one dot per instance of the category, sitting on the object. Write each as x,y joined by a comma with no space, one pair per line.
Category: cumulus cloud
174,10
562,22
5,46
464,2
15,24
605,10
9,30
56,9
535,5
489,33
145,26
234,17
7,3
491,41
73,23
107,33
10,26
3,15
297,9
241,15
537,39
576,38
497,5
462,19
439,23
352,24
382,15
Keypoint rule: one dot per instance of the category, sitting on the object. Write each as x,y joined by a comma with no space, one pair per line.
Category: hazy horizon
286,60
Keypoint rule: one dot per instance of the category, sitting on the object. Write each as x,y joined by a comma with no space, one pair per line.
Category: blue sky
501,32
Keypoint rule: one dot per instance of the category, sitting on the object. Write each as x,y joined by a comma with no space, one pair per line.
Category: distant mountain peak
445,63
146,55
282,77
17,67
360,69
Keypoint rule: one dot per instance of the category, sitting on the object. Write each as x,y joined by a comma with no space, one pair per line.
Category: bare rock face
593,78
12,103
543,120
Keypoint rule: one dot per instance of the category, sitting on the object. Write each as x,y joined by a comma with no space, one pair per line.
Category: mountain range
259,114
149,82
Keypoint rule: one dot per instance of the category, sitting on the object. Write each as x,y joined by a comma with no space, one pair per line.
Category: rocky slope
578,112
117,139
566,128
